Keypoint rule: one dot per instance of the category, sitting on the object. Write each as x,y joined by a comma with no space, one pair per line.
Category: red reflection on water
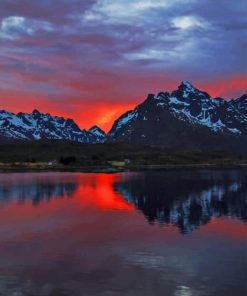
94,190
226,227
98,190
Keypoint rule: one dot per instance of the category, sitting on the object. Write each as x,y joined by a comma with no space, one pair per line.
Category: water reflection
37,188
86,234
186,199
189,199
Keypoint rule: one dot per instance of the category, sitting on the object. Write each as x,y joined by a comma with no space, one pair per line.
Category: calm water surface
180,233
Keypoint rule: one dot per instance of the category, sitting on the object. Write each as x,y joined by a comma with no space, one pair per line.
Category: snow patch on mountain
36,126
98,133
126,119
190,105
174,100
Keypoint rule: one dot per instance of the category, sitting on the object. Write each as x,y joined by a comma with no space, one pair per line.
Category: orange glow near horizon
104,112
225,86
100,114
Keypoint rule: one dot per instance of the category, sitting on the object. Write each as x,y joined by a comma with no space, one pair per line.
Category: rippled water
180,233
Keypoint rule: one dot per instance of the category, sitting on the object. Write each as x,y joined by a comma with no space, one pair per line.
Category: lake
178,232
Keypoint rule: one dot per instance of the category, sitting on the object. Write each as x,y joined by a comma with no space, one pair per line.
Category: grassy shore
71,156
109,170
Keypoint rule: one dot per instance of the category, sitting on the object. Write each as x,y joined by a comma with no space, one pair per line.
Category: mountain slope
36,126
186,117
98,132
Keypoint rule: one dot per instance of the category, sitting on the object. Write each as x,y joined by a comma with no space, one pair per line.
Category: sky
92,60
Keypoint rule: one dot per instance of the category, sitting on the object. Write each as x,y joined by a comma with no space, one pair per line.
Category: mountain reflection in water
186,199
28,187
76,234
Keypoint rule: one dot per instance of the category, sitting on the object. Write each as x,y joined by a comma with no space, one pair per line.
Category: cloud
125,11
150,54
78,54
13,27
188,22
120,10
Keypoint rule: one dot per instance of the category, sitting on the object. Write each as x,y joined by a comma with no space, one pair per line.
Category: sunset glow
123,136
64,65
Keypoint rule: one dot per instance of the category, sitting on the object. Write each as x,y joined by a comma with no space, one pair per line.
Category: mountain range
187,117
37,126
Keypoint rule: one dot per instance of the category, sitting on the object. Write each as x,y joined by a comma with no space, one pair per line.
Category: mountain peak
35,111
187,91
243,98
187,85
97,131
36,126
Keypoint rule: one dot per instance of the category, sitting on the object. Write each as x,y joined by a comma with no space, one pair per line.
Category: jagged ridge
36,126
185,114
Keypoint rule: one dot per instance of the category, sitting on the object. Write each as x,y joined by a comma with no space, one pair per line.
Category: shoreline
133,168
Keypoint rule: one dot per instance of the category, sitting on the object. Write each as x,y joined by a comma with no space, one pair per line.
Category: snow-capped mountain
36,126
98,132
186,114
186,118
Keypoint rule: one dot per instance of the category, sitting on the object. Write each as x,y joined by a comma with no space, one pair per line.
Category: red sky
106,107
93,60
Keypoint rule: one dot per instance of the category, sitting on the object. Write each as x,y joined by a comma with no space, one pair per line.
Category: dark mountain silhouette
185,118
